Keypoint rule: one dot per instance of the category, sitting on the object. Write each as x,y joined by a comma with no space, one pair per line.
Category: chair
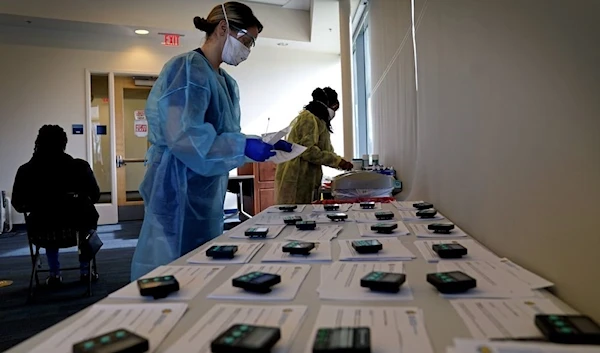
60,227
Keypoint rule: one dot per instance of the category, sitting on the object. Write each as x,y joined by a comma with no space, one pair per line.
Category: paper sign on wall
95,112
140,128
139,115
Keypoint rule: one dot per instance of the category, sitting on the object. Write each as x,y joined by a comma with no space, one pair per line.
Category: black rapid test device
257,282
331,207
422,205
443,228
118,341
241,338
298,248
367,205
291,220
449,250
451,282
385,228
428,213
257,232
384,215
568,329
343,340
367,246
337,217
306,225
158,287
222,251
388,282
288,208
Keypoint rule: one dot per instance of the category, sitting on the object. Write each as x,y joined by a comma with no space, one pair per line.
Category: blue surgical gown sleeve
192,140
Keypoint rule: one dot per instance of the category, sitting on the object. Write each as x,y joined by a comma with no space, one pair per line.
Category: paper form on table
192,279
151,321
292,277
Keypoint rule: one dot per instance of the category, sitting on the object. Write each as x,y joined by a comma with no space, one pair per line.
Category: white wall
503,132
43,81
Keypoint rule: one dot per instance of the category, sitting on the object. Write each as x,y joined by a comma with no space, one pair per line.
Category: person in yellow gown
297,180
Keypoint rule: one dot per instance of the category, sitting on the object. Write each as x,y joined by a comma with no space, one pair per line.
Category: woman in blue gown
193,114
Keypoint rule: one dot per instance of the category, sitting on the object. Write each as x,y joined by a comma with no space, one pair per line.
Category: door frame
109,212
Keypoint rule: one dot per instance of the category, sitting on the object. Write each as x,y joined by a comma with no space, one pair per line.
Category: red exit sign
171,40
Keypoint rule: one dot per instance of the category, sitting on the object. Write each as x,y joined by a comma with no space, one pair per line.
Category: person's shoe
85,277
54,281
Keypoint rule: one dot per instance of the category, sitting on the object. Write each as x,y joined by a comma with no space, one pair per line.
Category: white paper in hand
341,281
222,316
292,277
281,156
322,233
245,253
153,321
320,253
192,279
365,230
393,250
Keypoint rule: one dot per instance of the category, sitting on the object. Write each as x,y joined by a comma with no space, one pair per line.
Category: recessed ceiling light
282,44
141,31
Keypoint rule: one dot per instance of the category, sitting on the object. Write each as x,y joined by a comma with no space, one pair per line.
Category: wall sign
77,129
171,40
139,115
101,130
140,128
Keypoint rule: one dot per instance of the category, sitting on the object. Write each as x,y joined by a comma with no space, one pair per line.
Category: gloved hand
283,145
257,150
345,165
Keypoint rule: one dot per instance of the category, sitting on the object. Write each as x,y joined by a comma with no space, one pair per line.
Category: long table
442,321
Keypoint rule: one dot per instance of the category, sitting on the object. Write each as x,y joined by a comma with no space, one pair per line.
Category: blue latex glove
258,150
283,145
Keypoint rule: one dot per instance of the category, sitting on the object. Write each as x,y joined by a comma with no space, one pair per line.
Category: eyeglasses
244,37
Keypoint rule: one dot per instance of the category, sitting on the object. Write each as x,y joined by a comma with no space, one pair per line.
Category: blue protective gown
193,115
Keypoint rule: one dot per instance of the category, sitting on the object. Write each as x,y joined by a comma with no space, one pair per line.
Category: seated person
41,190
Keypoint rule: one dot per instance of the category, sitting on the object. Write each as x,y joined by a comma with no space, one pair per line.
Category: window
363,134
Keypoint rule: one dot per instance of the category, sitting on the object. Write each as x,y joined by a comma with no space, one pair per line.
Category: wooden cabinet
264,184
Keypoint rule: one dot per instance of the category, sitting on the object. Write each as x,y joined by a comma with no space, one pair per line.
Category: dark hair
238,15
323,98
51,139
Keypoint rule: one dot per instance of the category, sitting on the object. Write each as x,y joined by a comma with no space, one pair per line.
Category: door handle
123,161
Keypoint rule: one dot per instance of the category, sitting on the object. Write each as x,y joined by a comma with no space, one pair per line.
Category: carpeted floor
20,320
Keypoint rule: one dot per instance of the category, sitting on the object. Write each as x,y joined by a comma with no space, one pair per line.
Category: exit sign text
171,40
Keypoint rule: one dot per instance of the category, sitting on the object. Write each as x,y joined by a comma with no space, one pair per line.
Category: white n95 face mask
331,113
234,52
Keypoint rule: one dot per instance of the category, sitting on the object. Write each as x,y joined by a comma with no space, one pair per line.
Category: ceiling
296,24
